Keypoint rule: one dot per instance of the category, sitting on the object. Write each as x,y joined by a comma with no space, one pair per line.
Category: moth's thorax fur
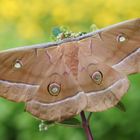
71,58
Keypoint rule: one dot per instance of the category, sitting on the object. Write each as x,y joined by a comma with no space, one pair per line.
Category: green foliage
59,33
121,106
72,122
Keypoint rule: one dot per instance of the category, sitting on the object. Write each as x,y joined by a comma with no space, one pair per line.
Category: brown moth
59,80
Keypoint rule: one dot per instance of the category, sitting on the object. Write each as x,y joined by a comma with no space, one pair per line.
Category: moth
58,80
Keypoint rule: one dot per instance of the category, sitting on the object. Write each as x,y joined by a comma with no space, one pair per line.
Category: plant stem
89,116
86,127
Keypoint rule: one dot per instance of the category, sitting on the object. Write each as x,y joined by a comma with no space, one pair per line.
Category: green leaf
93,28
121,106
72,122
56,31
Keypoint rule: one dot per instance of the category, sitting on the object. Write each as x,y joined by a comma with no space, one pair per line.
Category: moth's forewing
26,75
17,82
117,45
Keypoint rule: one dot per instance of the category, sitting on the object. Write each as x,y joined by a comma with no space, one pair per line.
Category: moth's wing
22,71
19,76
105,92
68,102
118,46
25,75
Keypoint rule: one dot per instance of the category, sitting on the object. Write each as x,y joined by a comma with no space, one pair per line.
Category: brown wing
53,81
78,90
103,85
67,102
21,72
44,79
117,46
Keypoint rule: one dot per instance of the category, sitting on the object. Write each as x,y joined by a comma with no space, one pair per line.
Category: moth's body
59,80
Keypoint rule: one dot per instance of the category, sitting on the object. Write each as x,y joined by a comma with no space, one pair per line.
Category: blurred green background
27,22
